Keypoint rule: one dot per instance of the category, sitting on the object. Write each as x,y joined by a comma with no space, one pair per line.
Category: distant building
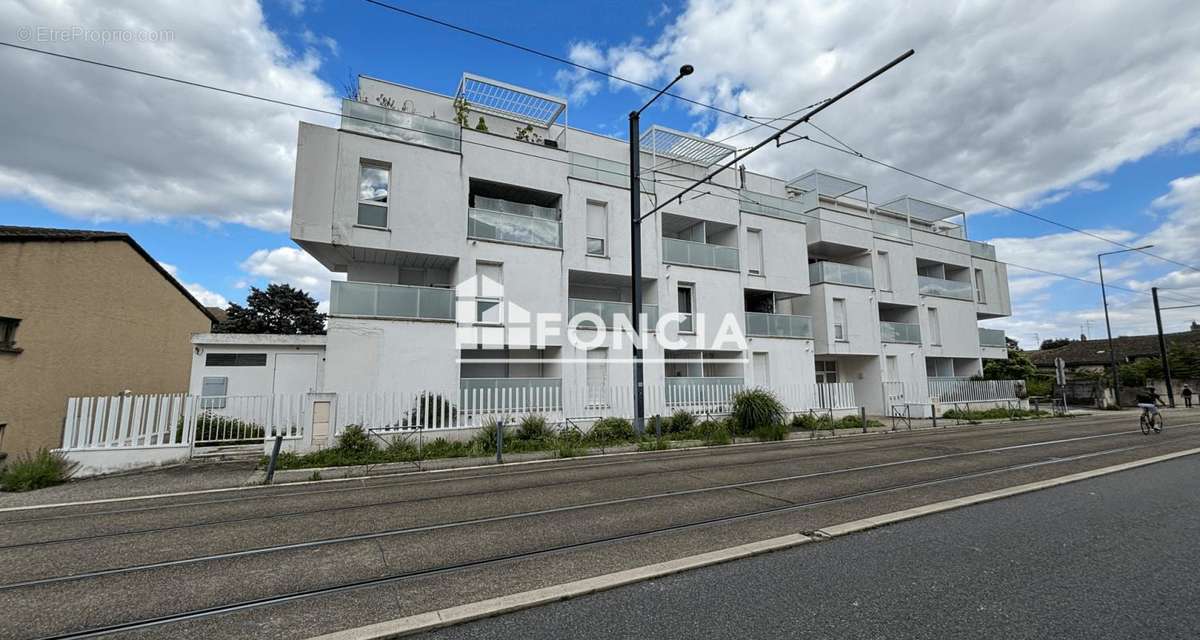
84,313
1093,354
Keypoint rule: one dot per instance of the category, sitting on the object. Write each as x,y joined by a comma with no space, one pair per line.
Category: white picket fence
172,420
950,391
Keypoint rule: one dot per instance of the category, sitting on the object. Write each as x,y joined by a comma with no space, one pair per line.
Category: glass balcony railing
373,300
397,125
982,250
604,171
890,228
838,273
700,254
609,311
486,224
930,286
778,325
992,338
904,332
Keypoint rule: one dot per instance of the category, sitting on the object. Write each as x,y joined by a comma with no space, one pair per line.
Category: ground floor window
826,371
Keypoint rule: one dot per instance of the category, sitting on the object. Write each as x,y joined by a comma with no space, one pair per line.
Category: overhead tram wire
294,105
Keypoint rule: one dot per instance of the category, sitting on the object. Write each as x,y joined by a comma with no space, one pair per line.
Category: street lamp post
1112,354
635,247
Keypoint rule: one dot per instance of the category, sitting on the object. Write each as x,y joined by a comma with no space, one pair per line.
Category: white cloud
1010,100
102,144
292,266
200,292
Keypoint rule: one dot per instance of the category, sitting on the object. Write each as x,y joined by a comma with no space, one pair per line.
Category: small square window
595,246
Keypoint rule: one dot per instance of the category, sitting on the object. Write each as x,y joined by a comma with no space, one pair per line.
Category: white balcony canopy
684,146
921,209
510,101
825,184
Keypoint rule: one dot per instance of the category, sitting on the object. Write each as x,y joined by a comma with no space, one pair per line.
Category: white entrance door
762,371
295,373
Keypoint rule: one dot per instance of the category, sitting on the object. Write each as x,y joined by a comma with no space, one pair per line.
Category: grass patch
996,413
37,470
650,443
812,422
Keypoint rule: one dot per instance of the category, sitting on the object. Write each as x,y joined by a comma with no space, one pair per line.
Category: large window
8,334
373,188
935,327
597,228
840,331
754,247
489,302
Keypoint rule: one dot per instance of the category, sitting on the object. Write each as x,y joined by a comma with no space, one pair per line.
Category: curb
429,621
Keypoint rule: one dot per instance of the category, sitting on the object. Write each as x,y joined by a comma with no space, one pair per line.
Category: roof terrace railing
412,128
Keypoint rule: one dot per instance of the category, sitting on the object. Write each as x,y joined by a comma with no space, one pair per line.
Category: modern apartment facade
442,228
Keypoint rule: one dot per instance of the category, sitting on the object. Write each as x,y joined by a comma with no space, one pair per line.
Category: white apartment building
828,287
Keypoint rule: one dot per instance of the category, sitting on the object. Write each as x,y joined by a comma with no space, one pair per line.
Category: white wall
390,356
960,332
270,379
785,255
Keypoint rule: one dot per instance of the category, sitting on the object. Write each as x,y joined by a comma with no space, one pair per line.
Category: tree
1016,367
280,310
1054,343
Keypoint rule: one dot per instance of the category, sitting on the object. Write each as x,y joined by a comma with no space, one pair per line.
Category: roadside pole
1162,349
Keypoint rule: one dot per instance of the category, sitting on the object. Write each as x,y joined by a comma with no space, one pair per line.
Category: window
754,246
893,369
213,392
373,188
979,295
597,376
826,371
885,271
489,283
935,327
762,369
8,334
235,360
685,306
597,228
840,331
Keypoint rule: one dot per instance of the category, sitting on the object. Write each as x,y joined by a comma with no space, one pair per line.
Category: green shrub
443,448
769,432
656,424
855,422
485,440
713,432
681,422
572,443
355,441
533,427
401,450
653,444
995,413
756,407
609,431
37,470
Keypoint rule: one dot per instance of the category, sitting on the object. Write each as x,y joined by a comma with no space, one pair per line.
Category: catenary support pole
1162,349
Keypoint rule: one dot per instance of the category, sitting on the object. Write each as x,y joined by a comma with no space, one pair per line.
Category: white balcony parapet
778,325
930,286
794,209
900,332
610,172
893,229
700,254
838,273
393,301
609,311
412,128
992,338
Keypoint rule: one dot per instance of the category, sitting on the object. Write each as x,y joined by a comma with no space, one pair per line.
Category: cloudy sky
1082,113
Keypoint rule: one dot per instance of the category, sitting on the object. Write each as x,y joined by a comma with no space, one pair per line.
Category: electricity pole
1162,349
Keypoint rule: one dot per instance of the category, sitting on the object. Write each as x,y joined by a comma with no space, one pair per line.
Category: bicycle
1151,421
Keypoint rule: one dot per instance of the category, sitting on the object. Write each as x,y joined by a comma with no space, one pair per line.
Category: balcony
608,311
610,172
982,250
392,301
900,332
838,273
518,223
941,287
373,120
778,325
700,254
891,229
794,209
992,338
523,393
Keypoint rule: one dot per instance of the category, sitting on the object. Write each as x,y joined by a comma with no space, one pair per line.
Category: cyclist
1148,401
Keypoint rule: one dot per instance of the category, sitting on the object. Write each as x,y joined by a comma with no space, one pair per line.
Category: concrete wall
96,319
375,356
290,361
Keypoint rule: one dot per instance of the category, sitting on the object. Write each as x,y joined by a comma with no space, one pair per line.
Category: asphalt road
301,560
1112,557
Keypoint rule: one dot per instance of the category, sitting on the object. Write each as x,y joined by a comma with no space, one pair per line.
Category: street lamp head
686,70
